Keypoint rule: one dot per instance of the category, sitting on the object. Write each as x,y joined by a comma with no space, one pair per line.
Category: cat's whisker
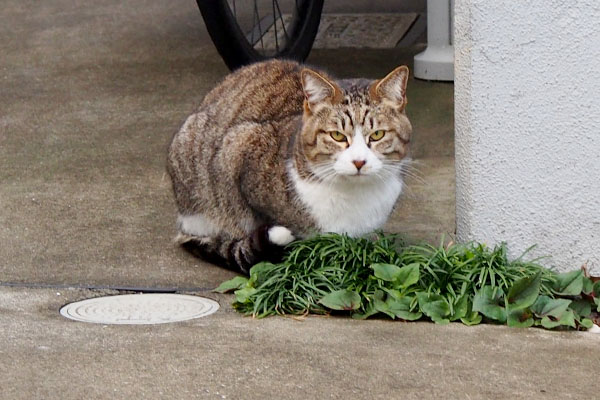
405,170
323,173
408,176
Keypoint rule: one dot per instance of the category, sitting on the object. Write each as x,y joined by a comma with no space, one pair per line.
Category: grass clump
382,277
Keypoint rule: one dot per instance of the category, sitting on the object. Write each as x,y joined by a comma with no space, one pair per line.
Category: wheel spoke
275,28
287,38
253,36
257,23
252,32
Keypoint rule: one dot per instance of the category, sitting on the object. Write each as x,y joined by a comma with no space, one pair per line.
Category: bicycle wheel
246,31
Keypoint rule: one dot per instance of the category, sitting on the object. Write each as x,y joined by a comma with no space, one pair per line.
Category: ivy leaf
546,306
233,284
401,308
487,301
569,283
243,295
567,319
581,307
524,292
520,318
341,300
586,323
548,323
386,272
435,307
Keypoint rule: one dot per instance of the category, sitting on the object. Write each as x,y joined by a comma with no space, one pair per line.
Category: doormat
377,31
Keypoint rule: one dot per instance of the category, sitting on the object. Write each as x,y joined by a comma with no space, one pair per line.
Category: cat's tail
240,254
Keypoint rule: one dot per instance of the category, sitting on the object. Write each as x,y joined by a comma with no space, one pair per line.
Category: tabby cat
278,151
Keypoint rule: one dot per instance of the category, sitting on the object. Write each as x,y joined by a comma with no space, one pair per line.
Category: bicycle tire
232,45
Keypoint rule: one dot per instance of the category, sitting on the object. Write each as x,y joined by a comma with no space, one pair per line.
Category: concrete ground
90,94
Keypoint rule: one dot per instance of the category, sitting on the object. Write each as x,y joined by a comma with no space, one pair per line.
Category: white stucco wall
527,84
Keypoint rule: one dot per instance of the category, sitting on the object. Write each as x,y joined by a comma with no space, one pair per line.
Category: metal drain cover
140,309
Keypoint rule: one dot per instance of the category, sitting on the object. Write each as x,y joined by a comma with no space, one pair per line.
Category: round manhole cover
140,309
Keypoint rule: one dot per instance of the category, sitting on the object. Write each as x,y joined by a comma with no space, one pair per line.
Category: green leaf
386,272
461,308
341,300
233,284
383,307
524,291
401,308
369,311
243,295
408,275
394,293
546,306
487,301
586,323
581,307
567,319
473,318
435,307
380,305
370,308
520,318
260,272
547,323
588,285
569,283
597,289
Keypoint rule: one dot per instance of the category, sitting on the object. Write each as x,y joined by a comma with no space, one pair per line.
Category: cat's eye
377,135
338,136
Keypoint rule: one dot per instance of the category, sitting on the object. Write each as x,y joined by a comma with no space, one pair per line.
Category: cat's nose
359,163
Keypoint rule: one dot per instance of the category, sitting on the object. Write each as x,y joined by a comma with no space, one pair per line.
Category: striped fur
237,163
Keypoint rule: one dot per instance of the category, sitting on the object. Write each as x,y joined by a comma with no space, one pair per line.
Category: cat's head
355,129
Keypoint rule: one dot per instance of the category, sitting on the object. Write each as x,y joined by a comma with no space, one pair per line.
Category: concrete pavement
226,356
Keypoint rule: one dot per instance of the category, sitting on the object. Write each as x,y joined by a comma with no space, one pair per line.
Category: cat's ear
318,89
392,88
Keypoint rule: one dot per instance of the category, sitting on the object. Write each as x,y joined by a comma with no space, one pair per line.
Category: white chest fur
351,207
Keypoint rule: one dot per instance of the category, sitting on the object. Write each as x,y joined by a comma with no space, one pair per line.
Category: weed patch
363,277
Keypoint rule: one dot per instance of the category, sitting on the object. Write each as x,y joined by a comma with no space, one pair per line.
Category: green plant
380,276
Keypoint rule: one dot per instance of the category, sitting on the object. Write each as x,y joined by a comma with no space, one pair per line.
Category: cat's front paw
280,235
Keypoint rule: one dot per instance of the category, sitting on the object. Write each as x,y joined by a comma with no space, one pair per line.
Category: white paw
280,235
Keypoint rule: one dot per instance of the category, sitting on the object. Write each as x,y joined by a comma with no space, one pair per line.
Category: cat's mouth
357,176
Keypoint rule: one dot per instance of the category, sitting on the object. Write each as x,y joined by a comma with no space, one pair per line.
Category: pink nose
359,163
